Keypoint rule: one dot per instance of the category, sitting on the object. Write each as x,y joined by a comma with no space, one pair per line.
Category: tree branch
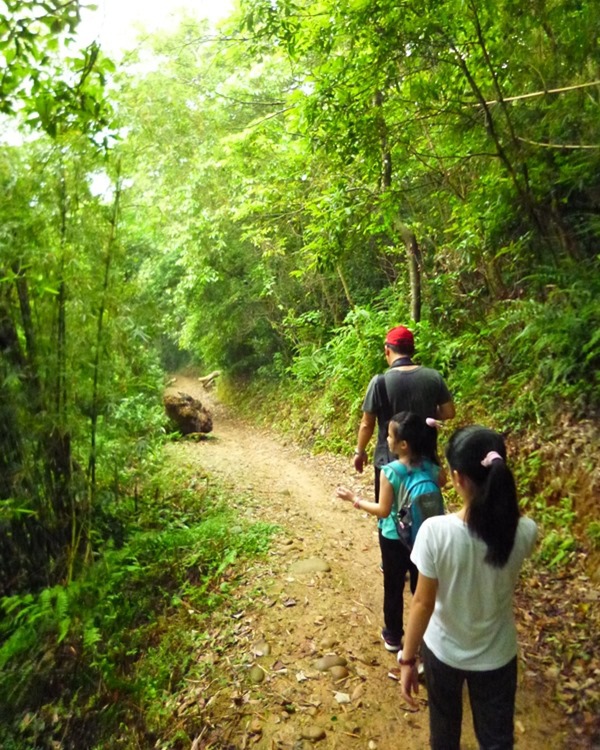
541,93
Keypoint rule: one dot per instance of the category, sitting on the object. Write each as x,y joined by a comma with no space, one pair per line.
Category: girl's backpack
419,497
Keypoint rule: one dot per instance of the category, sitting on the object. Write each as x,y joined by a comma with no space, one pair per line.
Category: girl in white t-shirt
462,612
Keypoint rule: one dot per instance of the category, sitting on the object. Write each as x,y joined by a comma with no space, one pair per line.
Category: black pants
492,697
396,562
377,482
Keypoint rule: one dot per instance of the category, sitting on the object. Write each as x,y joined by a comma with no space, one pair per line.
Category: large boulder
187,414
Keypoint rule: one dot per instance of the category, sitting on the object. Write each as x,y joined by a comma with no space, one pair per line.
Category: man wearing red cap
408,387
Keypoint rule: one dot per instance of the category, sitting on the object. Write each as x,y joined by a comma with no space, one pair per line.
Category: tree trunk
413,255
410,241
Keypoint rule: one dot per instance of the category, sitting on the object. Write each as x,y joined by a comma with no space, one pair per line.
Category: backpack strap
401,474
429,480
410,491
381,390
386,408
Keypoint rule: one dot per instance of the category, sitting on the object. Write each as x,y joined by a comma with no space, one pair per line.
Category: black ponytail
493,513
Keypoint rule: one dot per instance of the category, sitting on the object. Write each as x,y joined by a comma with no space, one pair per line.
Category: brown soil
302,617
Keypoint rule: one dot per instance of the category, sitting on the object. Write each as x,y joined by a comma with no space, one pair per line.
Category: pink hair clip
431,422
491,456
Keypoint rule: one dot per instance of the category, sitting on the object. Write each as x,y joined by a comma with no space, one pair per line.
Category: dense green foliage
268,201
55,90
79,384
125,633
345,161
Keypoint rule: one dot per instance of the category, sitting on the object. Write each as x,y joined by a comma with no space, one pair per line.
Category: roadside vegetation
100,661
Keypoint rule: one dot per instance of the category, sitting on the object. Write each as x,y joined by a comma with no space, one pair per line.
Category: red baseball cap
399,335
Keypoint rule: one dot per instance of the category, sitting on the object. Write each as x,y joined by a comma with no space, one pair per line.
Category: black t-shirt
419,390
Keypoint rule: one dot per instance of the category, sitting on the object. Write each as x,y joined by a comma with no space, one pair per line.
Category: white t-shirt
472,626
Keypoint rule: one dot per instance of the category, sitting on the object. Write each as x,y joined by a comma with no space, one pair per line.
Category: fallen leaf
342,697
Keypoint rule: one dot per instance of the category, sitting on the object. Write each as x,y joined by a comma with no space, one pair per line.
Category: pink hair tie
491,456
431,422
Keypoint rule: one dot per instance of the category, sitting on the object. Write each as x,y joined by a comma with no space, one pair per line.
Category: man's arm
365,432
446,411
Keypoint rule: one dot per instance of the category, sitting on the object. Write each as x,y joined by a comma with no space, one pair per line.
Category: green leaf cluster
68,650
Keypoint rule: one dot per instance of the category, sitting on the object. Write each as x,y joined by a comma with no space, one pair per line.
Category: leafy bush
593,533
76,648
527,357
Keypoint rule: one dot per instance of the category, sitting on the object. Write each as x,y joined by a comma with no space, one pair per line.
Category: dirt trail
298,618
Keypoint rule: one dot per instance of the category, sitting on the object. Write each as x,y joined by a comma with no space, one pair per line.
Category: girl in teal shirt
409,437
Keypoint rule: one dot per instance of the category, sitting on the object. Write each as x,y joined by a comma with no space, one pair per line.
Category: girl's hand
409,681
345,494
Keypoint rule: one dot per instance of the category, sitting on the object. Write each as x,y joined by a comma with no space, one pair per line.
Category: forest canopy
267,199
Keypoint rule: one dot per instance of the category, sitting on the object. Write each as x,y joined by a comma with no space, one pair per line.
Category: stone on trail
257,675
331,660
328,642
314,733
262,648
338,672
310,565
342,697
187,414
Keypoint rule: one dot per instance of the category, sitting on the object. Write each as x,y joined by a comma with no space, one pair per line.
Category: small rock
342,697
311,565
329,642
261,648
331,660
338,672
314,733
257,675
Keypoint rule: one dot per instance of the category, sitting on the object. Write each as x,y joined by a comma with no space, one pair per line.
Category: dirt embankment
289,619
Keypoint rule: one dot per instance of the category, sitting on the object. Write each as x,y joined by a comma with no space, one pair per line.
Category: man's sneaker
420,667
389,643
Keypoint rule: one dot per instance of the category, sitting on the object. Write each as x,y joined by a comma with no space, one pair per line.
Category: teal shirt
387,526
